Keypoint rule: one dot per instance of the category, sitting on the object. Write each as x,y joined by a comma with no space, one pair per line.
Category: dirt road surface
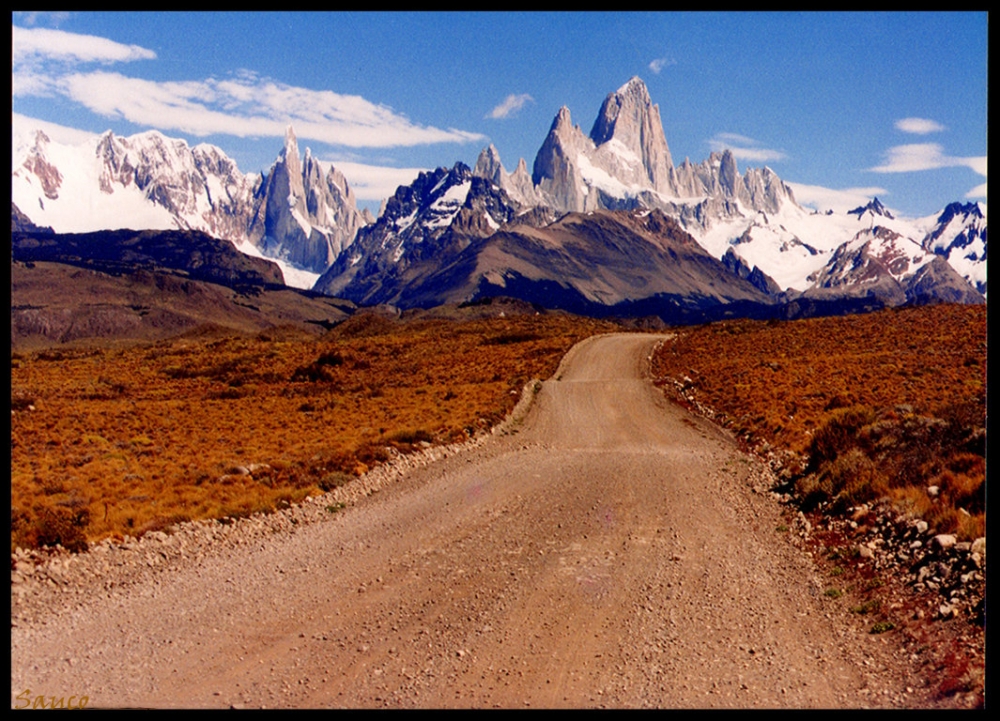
611,552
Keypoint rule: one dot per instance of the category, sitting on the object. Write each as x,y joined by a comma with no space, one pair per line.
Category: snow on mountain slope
144,181
57,190
302,213
872,253
958,234
294,277
22,131
424,225
78,182
794,243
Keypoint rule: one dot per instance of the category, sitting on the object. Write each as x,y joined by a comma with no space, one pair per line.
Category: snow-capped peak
874,207
291,147
634,83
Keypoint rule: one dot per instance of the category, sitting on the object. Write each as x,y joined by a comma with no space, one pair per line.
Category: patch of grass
867,607
879,405
188,412
882,627
509,338
839,434
329,481
833,593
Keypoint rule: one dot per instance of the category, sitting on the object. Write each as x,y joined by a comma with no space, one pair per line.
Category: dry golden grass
877,405
124,441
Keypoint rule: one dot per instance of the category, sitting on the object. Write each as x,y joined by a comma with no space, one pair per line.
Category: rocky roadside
924,590
48,579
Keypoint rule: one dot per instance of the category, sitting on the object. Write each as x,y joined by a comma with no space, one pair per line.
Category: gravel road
611,550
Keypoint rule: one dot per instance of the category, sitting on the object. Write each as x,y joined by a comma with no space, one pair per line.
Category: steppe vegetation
114,442
888,405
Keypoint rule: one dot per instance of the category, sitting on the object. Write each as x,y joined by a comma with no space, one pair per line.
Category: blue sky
841,105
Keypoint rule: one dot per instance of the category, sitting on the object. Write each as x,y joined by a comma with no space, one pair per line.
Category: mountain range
300,213
604,223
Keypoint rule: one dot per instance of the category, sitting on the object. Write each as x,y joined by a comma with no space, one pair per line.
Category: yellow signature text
25,700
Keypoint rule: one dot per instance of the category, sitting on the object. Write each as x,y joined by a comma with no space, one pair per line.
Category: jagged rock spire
305,216
629,116
488,164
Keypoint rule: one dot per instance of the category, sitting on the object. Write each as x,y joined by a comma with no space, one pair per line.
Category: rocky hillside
194,254
116,287
423,227
600,263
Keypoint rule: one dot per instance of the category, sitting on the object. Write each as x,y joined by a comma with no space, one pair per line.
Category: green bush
334,480
62,526
867,607
882,627
855,479
813,489
409,437
839,434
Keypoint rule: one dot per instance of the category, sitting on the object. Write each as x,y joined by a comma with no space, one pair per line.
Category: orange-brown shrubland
124,441
886,404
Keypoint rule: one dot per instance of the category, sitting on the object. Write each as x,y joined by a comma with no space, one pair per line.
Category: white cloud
919,126
839,201
510,105
744,148
734,138
978,192
35,44
28,83
925,156
375,182
659,63
244,106
23,126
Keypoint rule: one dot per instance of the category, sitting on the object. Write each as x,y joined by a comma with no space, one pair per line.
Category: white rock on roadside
979,546
944,541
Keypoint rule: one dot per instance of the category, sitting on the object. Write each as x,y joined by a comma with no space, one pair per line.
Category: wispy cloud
919,126
659,63
839,201
244,105
375,182
23,131
744,148
978,192
510,106
925,156
35,44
